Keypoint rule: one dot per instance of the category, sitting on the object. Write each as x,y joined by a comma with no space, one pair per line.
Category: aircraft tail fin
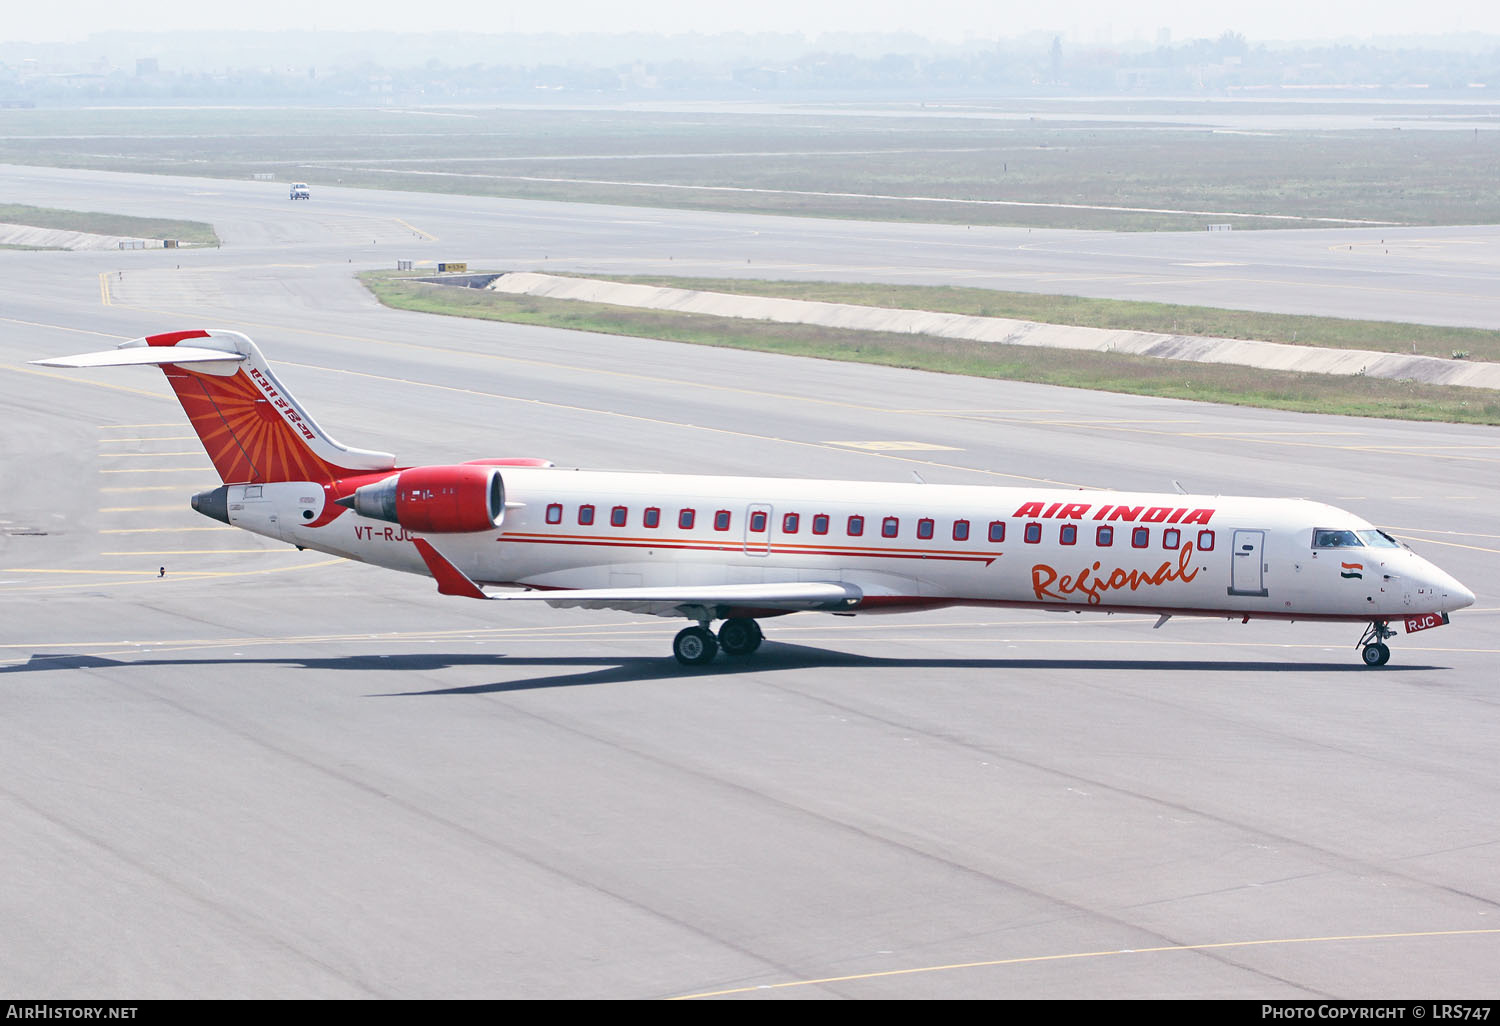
251,427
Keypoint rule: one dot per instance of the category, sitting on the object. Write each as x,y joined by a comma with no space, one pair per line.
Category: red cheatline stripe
796,550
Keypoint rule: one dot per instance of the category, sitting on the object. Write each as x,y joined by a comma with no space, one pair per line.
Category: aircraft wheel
694,646
740,636
1376,654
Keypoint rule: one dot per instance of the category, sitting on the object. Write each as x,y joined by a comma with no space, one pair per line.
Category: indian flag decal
1352,570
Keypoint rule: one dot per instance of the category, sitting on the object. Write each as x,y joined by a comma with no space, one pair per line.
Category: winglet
450,579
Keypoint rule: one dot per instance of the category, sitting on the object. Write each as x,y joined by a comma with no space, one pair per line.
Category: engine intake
435,500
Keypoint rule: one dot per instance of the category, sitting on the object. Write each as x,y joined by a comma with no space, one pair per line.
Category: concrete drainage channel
61,238
1247,353
1267,355
467,281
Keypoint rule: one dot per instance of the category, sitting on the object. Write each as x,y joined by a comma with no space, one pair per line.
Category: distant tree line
1226,65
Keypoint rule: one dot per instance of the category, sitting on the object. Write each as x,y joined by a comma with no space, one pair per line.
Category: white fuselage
903,546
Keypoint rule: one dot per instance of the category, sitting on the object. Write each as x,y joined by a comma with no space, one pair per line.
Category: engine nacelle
435,500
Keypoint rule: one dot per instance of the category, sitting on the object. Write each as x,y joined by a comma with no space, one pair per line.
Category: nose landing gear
1373,648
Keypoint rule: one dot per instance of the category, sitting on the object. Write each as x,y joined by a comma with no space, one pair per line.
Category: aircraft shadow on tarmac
579,670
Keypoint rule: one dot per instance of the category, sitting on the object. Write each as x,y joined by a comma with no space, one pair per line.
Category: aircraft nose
1457,596
1454,595
1444,586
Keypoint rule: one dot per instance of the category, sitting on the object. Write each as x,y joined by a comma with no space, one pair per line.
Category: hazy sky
1082,20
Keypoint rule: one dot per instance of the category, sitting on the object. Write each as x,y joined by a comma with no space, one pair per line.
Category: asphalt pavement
230,769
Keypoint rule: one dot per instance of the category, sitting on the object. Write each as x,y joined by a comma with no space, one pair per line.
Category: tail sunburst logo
1352,570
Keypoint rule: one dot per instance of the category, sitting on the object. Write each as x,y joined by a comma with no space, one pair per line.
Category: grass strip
1112,372
192,232
954,165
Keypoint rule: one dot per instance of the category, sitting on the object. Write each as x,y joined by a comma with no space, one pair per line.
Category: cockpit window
1378,540
1325,539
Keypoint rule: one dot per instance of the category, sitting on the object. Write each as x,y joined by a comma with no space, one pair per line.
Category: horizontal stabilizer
250,426
153,356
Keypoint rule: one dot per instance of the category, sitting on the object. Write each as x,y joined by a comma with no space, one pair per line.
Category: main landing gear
1374,650
697,646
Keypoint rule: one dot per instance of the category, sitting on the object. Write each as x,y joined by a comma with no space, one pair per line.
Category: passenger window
685,519
1104,537
758,522
924,529
1205,541
1140,537
721,520
820,524
960,530
617,516
856,526
890,527
1171,538
585,515
1033,533
789,523
652,517
1068,534
997,531
554,512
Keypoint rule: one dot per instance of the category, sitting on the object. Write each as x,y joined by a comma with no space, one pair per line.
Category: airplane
743,549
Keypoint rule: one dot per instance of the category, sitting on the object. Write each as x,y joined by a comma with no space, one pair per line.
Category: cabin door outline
1247,567
758,543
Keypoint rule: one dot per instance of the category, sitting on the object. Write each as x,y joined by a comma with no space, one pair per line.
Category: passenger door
1247,566
758,530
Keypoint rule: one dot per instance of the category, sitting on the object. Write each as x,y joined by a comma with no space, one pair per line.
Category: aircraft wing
675,600
681,601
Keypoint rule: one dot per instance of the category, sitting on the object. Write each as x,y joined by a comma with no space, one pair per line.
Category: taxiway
266,774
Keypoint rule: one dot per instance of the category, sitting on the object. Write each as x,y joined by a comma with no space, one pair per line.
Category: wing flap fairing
671,600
